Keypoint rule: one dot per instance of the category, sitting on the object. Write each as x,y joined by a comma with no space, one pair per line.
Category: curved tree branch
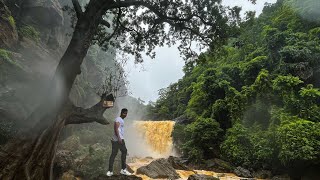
80,115
115,29
106,23
94,114
77,8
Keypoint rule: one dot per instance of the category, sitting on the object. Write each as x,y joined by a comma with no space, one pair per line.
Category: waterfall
150,138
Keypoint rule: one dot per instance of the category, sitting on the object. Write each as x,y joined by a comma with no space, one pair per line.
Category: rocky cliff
33,37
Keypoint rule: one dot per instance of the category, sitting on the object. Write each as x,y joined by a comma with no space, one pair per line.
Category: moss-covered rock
10,67
6,57
29,32
8,32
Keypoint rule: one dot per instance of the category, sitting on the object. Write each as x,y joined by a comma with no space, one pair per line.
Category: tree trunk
31,154
31,158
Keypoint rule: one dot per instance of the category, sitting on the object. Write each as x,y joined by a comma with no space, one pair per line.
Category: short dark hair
124,110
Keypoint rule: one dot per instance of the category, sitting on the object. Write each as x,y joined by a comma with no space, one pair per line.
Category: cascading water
150,139
157,135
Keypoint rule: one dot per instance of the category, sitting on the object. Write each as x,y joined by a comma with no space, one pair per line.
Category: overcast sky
153,74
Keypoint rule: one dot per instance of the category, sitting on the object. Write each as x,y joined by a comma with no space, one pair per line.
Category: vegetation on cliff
261,89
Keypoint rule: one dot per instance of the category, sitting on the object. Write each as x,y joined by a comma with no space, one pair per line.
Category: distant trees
261,99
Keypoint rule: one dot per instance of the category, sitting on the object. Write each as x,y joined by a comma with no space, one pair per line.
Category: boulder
219,165
242,172
262,174
159,168
8,32
177,163
201,177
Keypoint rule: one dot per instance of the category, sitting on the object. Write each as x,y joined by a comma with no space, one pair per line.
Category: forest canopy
256,96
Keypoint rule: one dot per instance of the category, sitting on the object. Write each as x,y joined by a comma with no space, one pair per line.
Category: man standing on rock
117,142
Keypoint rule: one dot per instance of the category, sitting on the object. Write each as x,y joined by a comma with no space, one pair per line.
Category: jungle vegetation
253,100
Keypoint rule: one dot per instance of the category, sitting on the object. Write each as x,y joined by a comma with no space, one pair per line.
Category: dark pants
115,147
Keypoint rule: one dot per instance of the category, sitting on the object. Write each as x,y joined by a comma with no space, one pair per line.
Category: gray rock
219,165
242,172
201,177
8,32
159,168
178,164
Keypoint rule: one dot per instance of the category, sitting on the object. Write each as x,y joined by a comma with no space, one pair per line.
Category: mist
308,9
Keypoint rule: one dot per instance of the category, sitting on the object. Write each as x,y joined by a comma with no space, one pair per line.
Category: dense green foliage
256,98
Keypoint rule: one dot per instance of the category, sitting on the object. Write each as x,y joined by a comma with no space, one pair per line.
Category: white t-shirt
121,129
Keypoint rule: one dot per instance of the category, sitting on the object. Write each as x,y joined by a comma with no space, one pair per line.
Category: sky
147,78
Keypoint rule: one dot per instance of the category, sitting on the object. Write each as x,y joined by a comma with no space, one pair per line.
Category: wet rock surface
219,165
159,168
201,177
242,172
178,163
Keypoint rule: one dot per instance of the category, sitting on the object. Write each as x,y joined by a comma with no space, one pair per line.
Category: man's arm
116,130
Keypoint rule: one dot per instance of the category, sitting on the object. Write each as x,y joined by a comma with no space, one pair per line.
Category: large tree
137,26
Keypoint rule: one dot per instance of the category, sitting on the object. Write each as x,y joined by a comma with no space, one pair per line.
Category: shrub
202,138
237,146
299,141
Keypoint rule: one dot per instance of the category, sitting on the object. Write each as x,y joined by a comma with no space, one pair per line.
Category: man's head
124,113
